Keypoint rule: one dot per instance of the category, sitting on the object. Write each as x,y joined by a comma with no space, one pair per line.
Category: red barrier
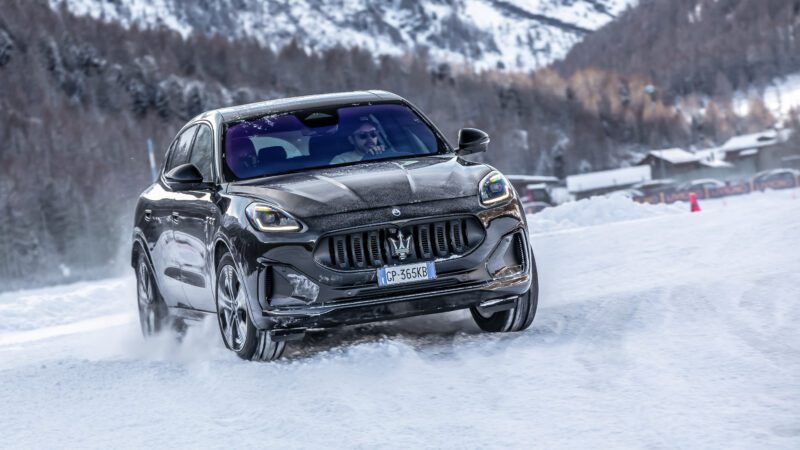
786,181
683,196
731,189
651,199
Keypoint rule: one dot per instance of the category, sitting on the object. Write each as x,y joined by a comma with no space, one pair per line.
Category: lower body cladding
297,293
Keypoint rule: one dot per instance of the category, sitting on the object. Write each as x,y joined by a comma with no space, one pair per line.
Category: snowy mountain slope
516,34
671,331
780,96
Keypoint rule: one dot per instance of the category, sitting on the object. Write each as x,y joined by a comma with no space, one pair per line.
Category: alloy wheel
232,309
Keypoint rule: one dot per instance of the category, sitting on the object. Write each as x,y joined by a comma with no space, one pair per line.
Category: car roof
532,178
536,186
704,180
239,112
657,182
776,172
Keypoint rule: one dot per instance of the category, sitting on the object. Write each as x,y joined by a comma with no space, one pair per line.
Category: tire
518,318
153,312
237,330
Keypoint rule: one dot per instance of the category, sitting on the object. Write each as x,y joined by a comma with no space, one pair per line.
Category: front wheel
518,318
238,331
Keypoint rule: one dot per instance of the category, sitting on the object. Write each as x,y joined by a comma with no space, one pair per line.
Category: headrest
240,154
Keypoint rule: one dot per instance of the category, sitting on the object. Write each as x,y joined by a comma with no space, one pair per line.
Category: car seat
322,149
269,157
241,157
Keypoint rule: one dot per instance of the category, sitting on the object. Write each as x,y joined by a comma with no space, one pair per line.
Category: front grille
371,247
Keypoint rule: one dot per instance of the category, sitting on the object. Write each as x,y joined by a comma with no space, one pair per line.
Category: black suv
298,214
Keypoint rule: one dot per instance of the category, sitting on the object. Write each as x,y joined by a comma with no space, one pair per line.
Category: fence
782,181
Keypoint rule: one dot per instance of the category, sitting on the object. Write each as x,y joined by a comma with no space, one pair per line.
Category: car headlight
494,188
268,218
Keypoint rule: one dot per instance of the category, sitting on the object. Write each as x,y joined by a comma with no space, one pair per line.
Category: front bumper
396,307
351,297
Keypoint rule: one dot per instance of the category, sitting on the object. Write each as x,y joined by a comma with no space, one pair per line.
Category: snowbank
596,211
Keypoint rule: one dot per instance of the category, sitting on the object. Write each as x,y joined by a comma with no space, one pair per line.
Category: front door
172,278
198,215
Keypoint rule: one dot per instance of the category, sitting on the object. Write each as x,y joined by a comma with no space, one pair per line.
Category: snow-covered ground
656,328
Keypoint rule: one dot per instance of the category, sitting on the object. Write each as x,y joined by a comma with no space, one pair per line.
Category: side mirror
472,140
185,174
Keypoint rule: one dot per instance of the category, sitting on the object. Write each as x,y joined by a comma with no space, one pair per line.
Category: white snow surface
671,330
597,211
674,155
520,34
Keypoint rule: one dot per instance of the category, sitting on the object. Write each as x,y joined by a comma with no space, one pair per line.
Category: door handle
175,217
148,214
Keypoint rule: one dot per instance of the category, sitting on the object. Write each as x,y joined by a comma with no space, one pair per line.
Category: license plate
407,273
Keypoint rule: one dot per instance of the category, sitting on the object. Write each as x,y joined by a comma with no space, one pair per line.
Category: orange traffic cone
693,201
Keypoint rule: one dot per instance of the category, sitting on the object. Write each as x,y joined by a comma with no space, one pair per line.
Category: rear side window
202,152
180,151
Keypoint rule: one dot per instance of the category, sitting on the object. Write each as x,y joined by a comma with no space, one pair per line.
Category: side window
168,155
203,152
180,151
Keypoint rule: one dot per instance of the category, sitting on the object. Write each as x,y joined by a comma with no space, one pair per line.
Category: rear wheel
518,318
238,331
153,312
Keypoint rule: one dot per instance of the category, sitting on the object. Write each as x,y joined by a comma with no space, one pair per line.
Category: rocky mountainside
486,34
711,47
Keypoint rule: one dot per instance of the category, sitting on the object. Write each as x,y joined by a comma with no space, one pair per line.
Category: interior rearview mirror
472,140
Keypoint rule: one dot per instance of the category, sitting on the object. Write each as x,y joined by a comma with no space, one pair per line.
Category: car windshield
307,139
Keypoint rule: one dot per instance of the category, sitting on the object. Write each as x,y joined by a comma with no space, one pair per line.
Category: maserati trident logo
401,246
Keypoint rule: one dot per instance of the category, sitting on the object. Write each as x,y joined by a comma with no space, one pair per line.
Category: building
682,165
537,188
756,152
738,158
597,183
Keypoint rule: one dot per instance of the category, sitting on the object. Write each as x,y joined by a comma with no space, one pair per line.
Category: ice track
665,330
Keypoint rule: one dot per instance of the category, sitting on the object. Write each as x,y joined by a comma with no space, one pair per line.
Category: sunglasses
367,134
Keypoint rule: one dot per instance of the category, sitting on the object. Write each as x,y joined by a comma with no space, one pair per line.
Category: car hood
367,185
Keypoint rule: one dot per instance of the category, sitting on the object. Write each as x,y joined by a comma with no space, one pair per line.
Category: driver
365,141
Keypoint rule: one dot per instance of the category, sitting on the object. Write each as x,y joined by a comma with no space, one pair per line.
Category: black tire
153,312
233,316
518,318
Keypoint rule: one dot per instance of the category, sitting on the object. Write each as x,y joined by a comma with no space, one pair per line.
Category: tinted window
202,152
180,152
334,136
540,195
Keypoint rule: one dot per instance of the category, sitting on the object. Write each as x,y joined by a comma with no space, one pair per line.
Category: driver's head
364,138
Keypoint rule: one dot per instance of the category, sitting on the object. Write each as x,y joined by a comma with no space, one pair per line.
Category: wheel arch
140,248
222,245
